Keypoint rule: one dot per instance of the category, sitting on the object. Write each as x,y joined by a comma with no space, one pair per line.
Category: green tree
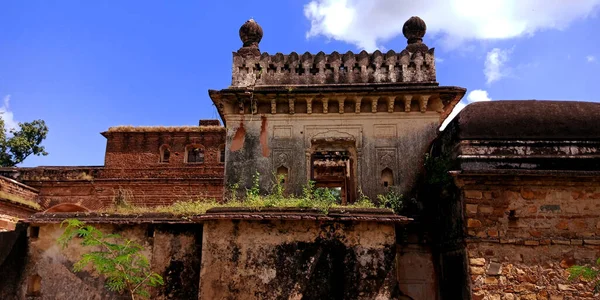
22,142
588,273
116,258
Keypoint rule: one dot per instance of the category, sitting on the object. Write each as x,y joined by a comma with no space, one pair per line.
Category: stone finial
414,29
251,33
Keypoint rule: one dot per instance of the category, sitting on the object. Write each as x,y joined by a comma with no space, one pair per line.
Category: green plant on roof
118,259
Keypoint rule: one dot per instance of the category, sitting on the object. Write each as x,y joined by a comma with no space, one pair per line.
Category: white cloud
368,23
439,60
590,59
478,96
494,66
473,96
7,115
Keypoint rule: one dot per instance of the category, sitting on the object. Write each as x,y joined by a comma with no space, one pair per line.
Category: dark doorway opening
332,167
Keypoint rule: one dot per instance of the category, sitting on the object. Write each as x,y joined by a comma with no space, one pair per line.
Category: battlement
414,64
334,68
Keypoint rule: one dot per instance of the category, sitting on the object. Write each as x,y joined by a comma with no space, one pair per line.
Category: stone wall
524,231
298,260
174,252
391,140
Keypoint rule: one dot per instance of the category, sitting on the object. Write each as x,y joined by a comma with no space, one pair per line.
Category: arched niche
282,174
387,177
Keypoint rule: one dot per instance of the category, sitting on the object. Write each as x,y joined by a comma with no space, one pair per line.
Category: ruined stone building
496,206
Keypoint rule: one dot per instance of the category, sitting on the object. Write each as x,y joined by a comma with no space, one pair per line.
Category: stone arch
67,207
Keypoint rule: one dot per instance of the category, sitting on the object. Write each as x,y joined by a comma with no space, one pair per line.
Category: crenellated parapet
334,68
414,64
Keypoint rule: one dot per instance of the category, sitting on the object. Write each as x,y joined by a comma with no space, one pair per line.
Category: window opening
195,155
222,154
165,154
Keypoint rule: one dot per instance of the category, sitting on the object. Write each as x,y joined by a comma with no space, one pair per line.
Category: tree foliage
587,273
17,145
116,258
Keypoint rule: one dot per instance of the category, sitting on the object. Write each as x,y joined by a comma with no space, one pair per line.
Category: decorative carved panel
282,157
387,158
332,132
385,131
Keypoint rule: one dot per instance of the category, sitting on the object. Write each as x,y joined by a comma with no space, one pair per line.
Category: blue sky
84,66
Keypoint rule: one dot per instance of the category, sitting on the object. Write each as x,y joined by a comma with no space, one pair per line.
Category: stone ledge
228,213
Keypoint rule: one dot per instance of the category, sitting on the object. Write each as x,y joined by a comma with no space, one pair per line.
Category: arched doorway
333,166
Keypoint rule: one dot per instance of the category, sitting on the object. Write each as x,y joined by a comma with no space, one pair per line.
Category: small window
165,154
222,154
387,177
195,154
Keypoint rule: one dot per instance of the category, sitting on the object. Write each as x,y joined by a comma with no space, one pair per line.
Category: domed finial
414,29
251,33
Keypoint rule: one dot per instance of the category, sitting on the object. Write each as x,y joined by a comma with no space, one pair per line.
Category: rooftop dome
414,29
251,33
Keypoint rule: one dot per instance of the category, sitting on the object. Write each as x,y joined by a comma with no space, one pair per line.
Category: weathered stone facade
495,207
353,122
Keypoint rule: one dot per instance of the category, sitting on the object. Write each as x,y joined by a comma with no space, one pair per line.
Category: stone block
471,209
486,209
494,269
491,280
509,296
532,243
477,271
473,223
479,295
492,233
566,287
527,194
473,194
562,225
591,242
576,242
477,261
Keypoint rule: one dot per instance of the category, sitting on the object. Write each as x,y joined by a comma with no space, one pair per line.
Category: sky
84,66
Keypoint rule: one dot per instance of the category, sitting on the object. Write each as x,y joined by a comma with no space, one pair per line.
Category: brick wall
134,169
141,149
523,232
17,201
98,194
